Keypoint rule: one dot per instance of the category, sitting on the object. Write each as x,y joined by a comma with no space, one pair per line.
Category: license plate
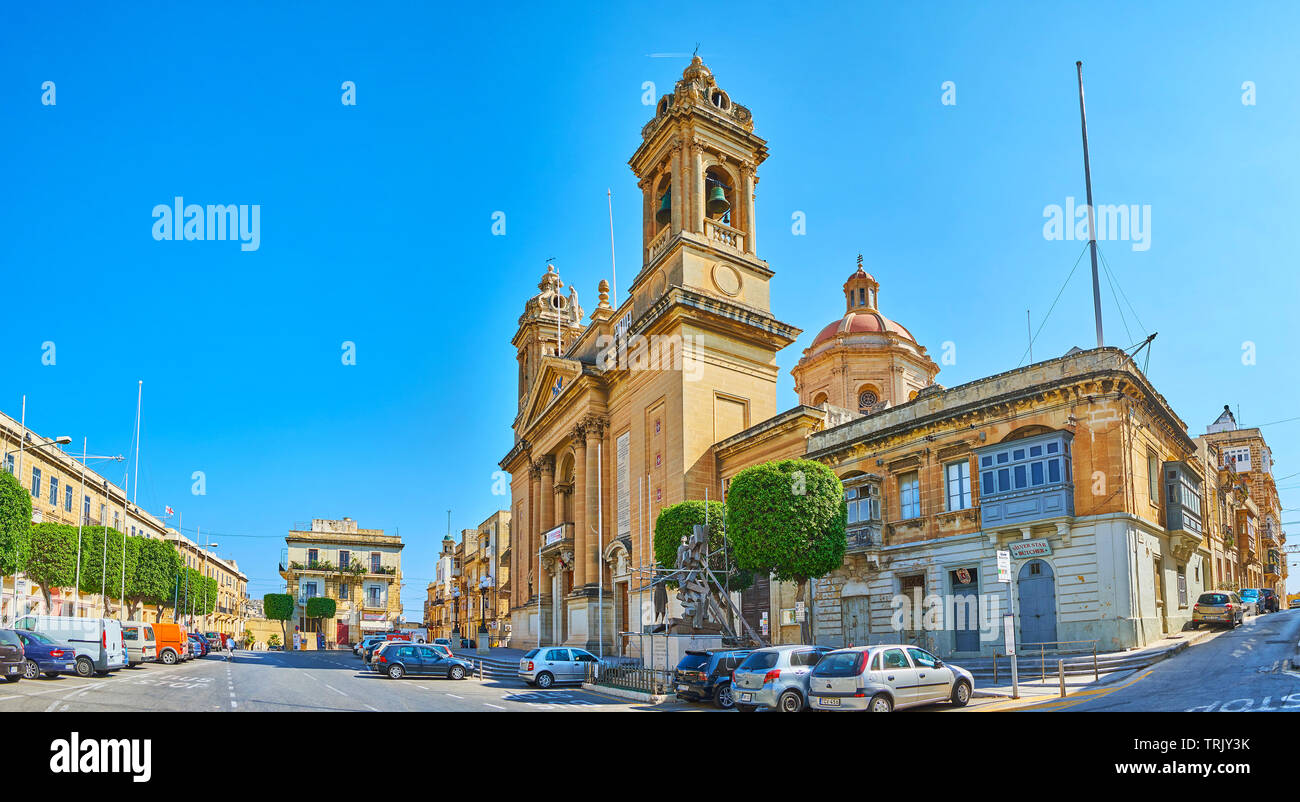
746,697
825,702
13,669
681,687
68,666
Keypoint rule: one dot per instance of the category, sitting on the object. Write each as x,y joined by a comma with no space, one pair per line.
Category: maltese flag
169,510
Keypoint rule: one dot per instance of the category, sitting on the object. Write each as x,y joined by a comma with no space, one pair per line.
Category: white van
98,641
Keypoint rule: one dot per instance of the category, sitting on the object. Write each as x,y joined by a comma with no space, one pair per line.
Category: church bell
665,212
717,202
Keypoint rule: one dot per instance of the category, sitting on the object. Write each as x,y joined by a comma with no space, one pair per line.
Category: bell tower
697,170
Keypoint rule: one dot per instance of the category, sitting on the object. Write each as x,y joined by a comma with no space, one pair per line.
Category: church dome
861,316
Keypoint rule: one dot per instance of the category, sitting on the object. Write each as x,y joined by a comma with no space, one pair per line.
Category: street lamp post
83,518
455,616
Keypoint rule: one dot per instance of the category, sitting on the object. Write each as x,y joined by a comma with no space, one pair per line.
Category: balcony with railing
864,538
558,539
658,243
720,233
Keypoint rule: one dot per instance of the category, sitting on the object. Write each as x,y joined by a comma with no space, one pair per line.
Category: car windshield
40,637
1213,598
838,664
759,661
692,662
9,637
1249,594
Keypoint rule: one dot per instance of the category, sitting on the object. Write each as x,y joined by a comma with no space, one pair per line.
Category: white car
884,678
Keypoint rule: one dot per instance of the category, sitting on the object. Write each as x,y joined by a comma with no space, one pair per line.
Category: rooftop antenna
1092,223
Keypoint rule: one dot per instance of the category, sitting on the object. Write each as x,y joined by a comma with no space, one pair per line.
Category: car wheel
881,703
457,672
31,670
790,702
745,708
722,696
961,694
395,671
84,667
545,680
169,658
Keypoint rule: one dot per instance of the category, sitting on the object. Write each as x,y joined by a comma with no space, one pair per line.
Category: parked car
366,642
885,678
544,667
776,678
705,676
98,641
368,653
1218,607
44,655
12,656
403,658
1253,600
198,645
171,643
216,640
140,644
1272,604
1295,604
443,642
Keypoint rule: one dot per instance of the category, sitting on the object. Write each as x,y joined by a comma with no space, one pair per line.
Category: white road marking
368,707
332,688
454,696
233,704
498,707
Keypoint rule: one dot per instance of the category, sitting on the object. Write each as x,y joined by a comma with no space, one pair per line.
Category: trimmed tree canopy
321,607
101,575
678,521
15,523
278,606
157,566
787,518
52,559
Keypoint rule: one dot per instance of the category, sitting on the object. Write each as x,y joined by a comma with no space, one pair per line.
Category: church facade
1075,465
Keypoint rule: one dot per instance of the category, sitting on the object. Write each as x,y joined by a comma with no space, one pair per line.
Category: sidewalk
1034,691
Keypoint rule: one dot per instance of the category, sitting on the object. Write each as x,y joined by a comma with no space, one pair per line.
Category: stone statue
661,601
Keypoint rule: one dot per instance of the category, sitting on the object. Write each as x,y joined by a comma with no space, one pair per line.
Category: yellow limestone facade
617,416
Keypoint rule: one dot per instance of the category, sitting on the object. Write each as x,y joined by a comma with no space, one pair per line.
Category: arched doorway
1036,587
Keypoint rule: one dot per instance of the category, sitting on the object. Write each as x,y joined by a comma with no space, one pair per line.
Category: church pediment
553,380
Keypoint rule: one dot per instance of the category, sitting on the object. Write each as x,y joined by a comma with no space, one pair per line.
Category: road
1245,669
294,681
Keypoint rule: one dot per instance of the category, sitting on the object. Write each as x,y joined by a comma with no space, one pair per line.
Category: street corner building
1075,465
360,569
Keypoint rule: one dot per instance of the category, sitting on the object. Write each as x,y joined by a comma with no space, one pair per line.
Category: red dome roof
861,323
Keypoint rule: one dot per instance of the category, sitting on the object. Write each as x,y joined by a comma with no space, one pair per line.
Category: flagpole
139,395
81,520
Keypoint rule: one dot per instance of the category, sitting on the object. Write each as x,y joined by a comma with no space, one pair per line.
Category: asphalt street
1246,669
294,681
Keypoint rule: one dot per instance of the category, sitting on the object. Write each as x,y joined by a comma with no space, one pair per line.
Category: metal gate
1037,590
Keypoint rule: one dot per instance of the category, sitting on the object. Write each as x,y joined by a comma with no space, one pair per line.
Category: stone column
679,188
548,493
534,526
595,431
697,186
581,509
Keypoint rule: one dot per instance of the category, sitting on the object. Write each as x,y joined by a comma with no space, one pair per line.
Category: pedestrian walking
230,649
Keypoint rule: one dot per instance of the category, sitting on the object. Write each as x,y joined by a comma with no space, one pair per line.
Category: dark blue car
46,655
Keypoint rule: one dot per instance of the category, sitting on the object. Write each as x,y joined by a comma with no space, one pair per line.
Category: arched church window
720,100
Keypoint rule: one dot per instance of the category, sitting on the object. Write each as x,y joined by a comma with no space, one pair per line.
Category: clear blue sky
376,219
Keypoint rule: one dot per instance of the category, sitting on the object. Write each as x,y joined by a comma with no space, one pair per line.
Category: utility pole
1092,219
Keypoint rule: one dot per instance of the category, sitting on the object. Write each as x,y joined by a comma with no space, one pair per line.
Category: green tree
788,518
249,639
679,520
279,607
157,567
273,640
320,608
52,558
102,555
15,524
197,593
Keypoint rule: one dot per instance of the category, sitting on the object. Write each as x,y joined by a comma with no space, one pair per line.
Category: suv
1271,602
775,677
705,676
12,656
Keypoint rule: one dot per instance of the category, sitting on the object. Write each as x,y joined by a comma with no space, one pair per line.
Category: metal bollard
995,668
1060,670
1096,672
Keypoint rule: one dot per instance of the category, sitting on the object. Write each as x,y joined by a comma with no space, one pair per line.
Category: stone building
617,418
1076,465
361,569
1243,507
